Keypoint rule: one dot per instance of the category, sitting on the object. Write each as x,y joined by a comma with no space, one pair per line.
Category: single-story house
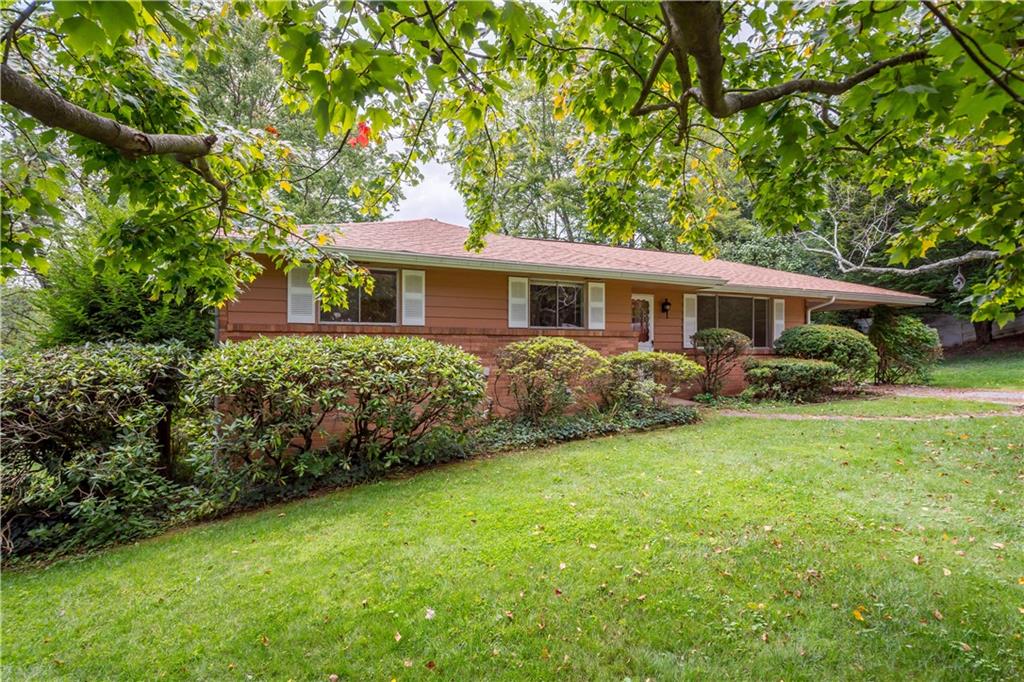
611,298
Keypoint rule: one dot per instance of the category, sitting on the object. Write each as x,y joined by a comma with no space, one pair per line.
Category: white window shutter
779,316
301,302
689,319
414,296
595,305
518,302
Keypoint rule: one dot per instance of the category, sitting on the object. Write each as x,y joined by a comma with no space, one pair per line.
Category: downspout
819,307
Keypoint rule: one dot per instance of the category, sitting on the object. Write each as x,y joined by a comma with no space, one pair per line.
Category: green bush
293,407
907,348
720,349
87,456
85,302
512,434
640,380
547,375
790,378
847,348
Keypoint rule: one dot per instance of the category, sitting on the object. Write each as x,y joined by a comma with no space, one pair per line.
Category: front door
643,321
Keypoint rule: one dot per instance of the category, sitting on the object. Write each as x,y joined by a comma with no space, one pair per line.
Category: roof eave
893,299
470,263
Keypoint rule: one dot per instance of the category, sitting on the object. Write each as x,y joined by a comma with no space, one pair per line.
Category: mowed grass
737,548
1001,370
889,407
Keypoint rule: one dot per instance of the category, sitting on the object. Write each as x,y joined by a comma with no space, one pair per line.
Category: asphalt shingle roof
432,239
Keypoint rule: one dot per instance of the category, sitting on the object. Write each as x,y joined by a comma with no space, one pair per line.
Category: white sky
435,197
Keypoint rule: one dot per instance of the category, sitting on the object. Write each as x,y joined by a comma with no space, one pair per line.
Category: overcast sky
435,197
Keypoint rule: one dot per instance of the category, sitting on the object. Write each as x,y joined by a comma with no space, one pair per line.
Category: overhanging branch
54,111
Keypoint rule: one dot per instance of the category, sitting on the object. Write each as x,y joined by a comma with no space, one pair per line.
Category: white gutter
819,307
471,263
858,297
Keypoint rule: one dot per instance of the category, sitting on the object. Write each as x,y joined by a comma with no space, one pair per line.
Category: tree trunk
163,440
983,332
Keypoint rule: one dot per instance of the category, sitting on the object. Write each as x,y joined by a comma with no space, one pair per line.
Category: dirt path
980,394
789,416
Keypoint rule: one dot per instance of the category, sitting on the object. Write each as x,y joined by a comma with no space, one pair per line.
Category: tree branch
959,38
54,111
12,31
970,256
638,108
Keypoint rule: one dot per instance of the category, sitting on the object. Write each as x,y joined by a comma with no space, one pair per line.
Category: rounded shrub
790,378
87,457
847,348
720,349
549,374
365,400
907,348
640,380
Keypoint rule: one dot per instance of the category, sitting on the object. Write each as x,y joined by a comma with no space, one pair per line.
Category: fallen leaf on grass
858,615
918,559
430,614
965,646
398,636
998,545
264,640
431,665
937,614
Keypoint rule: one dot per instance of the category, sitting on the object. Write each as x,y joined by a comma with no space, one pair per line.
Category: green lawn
886,407
1003,370
739,548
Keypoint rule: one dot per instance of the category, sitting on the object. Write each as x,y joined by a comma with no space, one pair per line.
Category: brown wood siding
469,309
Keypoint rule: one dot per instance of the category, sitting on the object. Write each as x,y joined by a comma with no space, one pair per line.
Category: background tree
882,95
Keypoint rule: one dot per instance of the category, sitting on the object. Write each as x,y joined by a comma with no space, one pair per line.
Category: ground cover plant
737,548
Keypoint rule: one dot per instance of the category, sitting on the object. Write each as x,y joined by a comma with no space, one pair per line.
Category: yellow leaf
286,186
857,615
321,239
694,163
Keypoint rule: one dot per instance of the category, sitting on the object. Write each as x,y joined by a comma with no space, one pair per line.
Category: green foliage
547,375
943,126
907,348
83,459
511,434
720,349
285,402
84,303
847,348
790,378
639,380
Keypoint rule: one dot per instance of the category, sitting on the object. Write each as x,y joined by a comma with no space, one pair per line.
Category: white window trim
770,313
398,305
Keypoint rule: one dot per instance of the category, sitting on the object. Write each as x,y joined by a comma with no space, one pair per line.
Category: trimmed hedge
847,348
549,374
366,398
87,452
790,378
641,380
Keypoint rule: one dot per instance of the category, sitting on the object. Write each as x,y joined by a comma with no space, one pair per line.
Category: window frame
753,315
584,302
398,304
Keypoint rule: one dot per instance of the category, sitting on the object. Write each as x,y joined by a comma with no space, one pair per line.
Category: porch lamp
666,306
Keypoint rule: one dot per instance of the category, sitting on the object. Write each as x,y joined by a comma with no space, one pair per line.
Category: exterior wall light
666,306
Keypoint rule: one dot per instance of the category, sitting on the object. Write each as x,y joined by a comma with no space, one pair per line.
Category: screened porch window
744,314
556,304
